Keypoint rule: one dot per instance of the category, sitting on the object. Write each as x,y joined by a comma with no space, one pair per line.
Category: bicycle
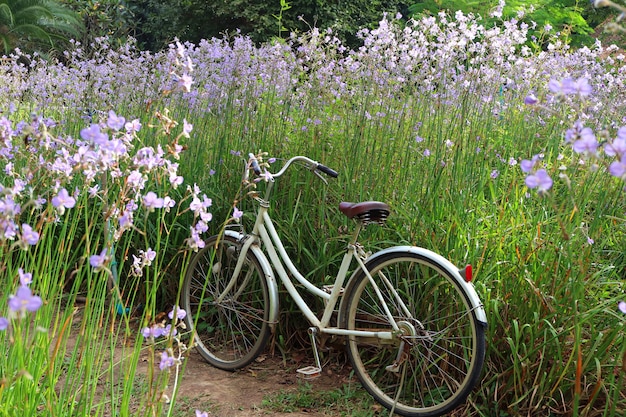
413,323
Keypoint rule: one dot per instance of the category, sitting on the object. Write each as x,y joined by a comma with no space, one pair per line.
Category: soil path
240,394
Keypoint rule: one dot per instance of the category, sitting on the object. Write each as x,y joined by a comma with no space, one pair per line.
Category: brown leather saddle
366,212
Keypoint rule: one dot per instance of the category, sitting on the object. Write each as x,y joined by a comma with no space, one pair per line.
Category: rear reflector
467,273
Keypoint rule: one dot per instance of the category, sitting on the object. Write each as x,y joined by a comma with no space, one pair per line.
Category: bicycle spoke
232,332
439,333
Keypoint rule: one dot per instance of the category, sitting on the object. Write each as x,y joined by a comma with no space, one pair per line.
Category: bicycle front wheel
230,318
435,358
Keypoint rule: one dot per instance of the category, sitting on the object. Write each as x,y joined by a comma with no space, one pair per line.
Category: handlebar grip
327,171
254,164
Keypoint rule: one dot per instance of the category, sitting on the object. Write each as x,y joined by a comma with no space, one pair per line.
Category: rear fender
445,264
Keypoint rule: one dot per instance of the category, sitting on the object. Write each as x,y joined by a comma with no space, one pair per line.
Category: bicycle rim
442,348
232,332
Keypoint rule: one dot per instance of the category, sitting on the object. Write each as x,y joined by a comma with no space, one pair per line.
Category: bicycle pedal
310,372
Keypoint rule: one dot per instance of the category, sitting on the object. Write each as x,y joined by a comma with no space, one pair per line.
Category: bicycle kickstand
400,358
312,372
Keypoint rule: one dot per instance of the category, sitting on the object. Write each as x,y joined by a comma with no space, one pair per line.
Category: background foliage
41,25
155,23
48,25
575,17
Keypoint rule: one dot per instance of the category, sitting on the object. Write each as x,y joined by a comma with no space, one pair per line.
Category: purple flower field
491,150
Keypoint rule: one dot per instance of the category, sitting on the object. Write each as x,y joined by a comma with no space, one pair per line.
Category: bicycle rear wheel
431,368
232,332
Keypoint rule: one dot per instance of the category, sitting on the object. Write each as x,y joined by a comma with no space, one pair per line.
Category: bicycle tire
444,340
230,334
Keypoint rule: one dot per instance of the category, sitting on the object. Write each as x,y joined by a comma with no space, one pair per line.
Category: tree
36,25
103,18
158,21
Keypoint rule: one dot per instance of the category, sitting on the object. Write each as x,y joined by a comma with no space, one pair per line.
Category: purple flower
94,135
529,165
526,165
530,100
195,242
114,121
582,87
237,213
201,226
167,330
63,200
151,201
618,168
179,312
196,205
126,219
201,413
154,331
167,361
29,236
577,132
133,126
98,261
587,142
4,323
618,146
25,278
136,180
569,86
187,128
426,152
185,82
494,174
622,306
560,87
24,300
7,229
540,180
150,255
9,207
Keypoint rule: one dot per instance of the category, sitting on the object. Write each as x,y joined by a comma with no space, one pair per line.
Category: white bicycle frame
264,232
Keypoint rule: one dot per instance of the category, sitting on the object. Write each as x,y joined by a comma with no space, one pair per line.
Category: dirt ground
239,394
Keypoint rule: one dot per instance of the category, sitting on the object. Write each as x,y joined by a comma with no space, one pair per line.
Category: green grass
349,400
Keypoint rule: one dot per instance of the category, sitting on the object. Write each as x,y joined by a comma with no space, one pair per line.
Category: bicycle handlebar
314,165
327,171
254,164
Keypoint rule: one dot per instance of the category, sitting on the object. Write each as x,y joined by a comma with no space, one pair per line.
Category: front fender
272,286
